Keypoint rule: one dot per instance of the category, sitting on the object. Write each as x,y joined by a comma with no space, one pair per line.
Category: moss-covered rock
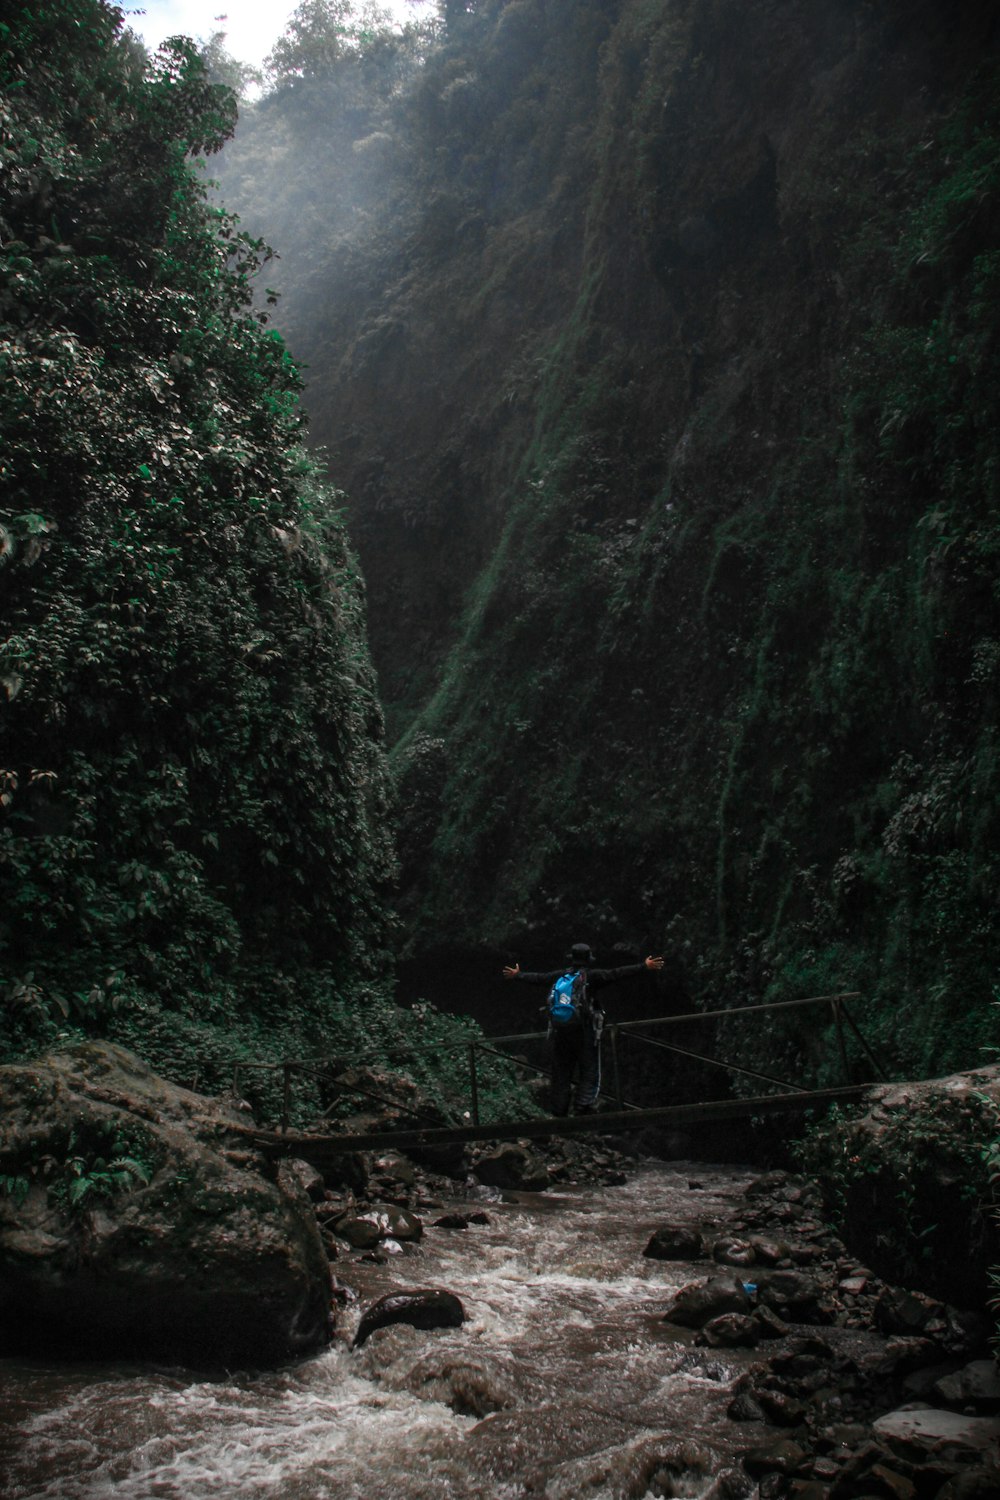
908,1180
133,1222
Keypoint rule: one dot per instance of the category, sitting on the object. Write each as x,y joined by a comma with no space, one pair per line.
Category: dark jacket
596,978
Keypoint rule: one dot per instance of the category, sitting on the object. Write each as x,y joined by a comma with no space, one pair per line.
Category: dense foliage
194,848
657,347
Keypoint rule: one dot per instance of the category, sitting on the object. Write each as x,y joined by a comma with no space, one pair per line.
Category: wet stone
770,1182
743,1408
730,1331
768,1251
917,1431
782,1457
977,1384
807,1355
395,1168
782,1410
422,1308
979,1483
905,1313
733,1252
791,1290
309,1179
674,1242
363,1231
451,1221
771,1326
888,1481
512,1166
696,1304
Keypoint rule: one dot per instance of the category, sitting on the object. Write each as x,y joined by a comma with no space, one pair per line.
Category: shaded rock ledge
135,1223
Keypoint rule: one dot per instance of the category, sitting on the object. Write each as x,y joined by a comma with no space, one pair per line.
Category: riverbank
583,1366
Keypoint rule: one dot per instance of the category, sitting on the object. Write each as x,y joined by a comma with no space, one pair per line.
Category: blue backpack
568,1001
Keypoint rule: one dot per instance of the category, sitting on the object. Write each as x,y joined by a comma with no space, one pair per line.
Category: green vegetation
654,347
87,1162
658,356
898,1190
194,848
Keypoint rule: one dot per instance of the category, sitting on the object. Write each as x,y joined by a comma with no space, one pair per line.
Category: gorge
583,527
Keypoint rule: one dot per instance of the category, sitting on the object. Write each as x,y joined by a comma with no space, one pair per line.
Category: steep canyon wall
654,345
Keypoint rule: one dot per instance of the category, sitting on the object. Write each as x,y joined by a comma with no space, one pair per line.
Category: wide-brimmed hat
580,953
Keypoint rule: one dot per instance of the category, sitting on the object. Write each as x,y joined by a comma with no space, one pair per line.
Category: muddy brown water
562,1383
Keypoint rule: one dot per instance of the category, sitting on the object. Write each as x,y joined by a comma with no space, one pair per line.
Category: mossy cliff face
193,848
670,441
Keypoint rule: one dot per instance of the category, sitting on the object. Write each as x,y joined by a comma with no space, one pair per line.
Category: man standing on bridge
576,1020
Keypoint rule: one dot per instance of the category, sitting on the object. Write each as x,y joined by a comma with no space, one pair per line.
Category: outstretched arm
598,978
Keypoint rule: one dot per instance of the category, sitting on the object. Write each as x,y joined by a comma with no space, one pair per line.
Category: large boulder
910,1179
136,1222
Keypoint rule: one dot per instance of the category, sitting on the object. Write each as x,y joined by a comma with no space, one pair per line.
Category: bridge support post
474,1083
286,1092
838,1016
616,1071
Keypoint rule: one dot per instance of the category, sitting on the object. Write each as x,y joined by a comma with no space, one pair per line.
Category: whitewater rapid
562,1383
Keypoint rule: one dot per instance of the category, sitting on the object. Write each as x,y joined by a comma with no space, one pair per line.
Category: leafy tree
193,851
320,34
223,67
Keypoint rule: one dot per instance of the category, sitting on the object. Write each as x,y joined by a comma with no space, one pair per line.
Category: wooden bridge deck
319,1149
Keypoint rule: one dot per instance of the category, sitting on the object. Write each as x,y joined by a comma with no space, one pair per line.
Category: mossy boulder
135,1221
908,1181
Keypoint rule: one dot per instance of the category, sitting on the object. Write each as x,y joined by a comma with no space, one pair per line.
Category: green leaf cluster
194,790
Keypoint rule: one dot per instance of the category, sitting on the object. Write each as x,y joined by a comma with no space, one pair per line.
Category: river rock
743,1408
783,1456
791,1294
769,1251
696,1304
979,1483
781,1409
733,1252
675,1242
424,1308
363,1230
306,1175
941,1121
905,1312
771,1326
448,1159
211,1261
512,1166
392,1170
977,1384
769,1182
924,1432
730,1331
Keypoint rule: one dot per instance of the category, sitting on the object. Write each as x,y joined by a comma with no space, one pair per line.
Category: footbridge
842,1047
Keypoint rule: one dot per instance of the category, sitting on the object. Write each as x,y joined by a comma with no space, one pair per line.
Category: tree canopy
194,848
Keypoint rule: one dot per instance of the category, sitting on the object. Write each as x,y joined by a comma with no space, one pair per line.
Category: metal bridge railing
615,1032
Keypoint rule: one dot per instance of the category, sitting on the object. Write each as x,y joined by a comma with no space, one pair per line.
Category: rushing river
562,1383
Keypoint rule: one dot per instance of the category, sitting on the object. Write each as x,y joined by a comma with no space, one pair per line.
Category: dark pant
575,1055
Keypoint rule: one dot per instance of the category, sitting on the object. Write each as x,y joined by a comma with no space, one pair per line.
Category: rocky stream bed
570,1321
